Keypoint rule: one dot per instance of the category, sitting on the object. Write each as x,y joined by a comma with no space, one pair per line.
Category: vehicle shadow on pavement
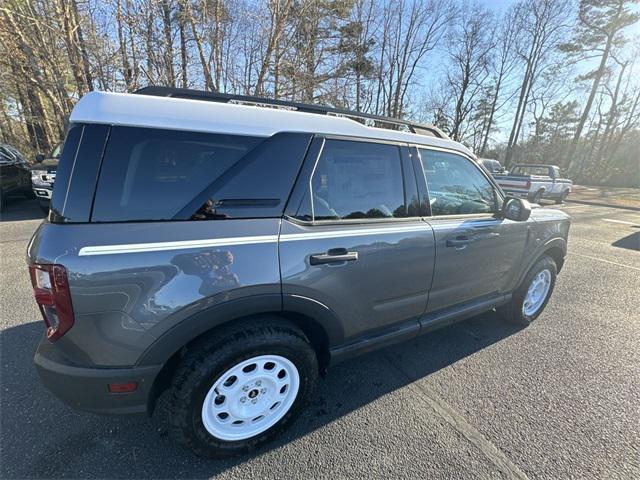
42,438
631,242
14,210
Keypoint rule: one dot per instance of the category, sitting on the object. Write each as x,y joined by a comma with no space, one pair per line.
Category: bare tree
542,24
469,45
599,30
411,30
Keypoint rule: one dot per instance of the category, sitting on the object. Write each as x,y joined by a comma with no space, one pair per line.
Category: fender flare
301,308
553,243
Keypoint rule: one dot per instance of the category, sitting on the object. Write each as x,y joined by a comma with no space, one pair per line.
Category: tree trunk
183,44
168,41
86,66
587,108
203,58
126,69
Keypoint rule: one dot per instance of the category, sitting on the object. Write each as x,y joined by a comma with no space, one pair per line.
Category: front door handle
333,255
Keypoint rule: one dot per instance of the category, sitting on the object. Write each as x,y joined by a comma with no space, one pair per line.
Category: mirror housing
39,158
516,209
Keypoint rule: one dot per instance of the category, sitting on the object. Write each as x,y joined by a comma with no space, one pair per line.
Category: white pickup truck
535,182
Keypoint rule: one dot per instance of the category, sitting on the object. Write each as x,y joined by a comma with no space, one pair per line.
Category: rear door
354,239
476,249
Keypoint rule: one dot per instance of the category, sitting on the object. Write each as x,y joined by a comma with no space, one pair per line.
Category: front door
476,249
355,244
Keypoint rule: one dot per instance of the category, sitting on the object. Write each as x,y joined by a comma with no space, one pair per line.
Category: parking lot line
496,456
623,222
605,261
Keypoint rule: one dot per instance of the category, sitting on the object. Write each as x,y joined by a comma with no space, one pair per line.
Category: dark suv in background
230,253
15,174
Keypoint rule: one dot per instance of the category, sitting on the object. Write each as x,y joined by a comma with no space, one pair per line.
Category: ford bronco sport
229,252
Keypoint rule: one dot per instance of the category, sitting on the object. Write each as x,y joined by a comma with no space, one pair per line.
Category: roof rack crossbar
187,93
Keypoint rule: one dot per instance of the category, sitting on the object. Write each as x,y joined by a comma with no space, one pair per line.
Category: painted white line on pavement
496,456
623,222
605,261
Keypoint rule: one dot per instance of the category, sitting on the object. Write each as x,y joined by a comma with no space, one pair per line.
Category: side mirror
516,209
39,158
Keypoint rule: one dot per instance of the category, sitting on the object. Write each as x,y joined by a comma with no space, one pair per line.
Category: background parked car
492,166
15,174
536,182
43,176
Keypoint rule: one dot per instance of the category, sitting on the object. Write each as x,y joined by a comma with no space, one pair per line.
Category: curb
609,205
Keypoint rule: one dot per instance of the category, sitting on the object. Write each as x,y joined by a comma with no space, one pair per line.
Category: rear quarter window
152,174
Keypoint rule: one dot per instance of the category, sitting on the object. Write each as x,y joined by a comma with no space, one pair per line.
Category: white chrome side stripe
231,241
180,245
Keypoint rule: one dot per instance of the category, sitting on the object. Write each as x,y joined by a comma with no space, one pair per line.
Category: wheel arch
317,322
555,248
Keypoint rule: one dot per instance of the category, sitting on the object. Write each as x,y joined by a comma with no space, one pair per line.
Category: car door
556,187
476,249
354,240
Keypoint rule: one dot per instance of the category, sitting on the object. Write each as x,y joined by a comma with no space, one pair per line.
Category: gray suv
230,253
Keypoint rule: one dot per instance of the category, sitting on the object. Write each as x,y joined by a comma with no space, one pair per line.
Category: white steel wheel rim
537,293
250,397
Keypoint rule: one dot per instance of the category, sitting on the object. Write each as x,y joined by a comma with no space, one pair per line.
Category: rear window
530,170
152,174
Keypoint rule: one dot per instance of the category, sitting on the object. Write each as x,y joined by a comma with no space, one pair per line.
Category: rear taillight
528,184
51,291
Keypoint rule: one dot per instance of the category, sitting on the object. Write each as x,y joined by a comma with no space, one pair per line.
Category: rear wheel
563,197
239,388
529,300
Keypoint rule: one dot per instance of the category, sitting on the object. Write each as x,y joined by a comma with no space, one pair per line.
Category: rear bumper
87,388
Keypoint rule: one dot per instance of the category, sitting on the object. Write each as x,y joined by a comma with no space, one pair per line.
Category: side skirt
405,330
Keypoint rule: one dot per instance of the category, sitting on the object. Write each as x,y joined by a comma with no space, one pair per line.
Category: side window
152,174
456,185
356,180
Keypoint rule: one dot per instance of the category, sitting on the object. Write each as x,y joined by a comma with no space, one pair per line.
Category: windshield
9,155
491,165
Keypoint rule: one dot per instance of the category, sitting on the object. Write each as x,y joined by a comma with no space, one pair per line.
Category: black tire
210,357
513,311
537,198
563,197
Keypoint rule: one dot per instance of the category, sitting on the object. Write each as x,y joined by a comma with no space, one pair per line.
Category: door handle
333,255
459,241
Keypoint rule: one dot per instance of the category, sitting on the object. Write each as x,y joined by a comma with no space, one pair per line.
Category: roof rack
186,93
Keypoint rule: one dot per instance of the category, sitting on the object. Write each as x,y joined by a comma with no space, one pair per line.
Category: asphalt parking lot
479,399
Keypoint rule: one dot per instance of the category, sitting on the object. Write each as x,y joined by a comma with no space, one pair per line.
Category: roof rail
186,93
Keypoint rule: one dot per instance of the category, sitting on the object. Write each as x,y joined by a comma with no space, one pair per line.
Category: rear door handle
334,255
459,241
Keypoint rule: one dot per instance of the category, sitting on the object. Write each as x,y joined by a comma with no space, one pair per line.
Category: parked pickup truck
43,176
535,182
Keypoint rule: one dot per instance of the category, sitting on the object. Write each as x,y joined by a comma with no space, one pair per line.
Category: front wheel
537,198
529,300
238,389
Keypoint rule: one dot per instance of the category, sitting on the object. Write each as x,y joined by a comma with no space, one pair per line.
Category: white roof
202,116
